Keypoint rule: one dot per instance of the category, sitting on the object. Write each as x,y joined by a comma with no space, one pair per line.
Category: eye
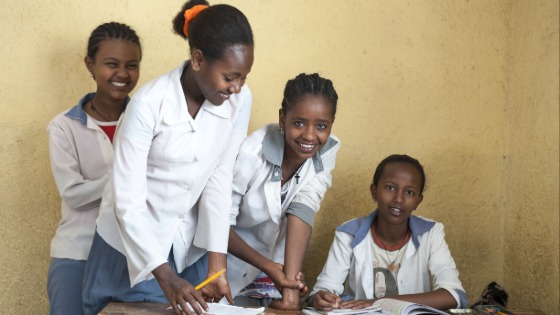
228,79
322,126
298,123
111,64
132,66
390,187
410,192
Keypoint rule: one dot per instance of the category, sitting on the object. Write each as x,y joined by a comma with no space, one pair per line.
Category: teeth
119,84
396,210
306,146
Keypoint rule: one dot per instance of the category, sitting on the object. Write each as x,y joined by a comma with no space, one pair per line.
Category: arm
330,283
298,234
77,192
216,199
240,249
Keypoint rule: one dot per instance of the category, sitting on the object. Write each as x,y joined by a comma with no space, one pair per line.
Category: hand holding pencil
215,287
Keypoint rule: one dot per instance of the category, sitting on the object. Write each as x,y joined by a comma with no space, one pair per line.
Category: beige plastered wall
470,88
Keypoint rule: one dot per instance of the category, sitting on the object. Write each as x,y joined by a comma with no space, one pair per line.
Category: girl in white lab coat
390,252
281,176
169,198
81,155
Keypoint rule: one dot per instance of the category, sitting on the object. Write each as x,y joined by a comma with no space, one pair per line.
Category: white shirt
257,213
81,157
172,176
427,264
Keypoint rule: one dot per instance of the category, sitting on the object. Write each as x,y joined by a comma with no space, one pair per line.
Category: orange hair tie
190,14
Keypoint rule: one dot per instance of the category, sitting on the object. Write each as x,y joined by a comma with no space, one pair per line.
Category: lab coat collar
178,112
360,227
77,112
273,150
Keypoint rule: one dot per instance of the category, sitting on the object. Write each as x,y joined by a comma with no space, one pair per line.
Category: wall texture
531,215
468,87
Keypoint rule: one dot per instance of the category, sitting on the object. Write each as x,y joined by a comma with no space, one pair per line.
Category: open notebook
385,306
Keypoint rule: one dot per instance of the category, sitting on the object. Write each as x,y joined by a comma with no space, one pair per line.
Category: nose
122,72
309,132
398,196
235,86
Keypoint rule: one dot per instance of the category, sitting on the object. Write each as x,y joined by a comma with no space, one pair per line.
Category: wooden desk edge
146,308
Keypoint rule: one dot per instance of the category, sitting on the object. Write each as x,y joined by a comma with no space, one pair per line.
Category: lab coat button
276,174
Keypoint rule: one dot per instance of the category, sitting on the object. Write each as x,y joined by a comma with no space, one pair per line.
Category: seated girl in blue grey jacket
390,253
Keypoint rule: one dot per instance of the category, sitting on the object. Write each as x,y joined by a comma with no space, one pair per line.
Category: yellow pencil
205,282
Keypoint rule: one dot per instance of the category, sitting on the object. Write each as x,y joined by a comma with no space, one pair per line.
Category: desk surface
116,308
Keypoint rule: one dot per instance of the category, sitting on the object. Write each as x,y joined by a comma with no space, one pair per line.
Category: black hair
309,84
214,29
400,158
111,30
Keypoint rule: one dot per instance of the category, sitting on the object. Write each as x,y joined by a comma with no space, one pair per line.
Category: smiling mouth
307,147
119,84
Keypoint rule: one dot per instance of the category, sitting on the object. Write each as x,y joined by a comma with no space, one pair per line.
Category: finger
184,308
198,298
176,309
229,298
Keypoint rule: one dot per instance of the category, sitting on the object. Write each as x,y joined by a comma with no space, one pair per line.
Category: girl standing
169,198
280,178
81,155
390,253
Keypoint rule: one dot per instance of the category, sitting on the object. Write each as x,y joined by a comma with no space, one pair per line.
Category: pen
205,282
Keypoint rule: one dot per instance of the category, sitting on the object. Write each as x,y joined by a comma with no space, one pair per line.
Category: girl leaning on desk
81,156
280,178
169,197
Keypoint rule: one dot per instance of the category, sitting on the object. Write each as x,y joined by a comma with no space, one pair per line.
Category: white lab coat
172,176
427,263
257,214
81,156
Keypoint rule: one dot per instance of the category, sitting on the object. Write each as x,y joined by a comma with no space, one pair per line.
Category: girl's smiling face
115,68
307,125
218,79
397,193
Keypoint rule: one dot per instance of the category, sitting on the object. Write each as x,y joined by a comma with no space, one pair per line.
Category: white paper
367,310
224,309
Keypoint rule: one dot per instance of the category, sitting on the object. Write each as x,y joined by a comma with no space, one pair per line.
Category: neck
193,94
391,235
109,108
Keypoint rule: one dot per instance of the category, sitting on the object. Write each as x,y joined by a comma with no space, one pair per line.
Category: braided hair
111,30
309,84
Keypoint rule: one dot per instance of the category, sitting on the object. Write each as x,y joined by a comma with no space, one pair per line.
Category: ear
282,118
197,59
419,201
89,64
373,190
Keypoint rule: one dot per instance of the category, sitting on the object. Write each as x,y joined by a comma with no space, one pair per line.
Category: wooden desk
117,308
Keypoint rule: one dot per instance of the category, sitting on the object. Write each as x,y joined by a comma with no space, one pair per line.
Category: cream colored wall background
470,88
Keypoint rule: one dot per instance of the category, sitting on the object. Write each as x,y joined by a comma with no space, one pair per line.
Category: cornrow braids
309,84
111,30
